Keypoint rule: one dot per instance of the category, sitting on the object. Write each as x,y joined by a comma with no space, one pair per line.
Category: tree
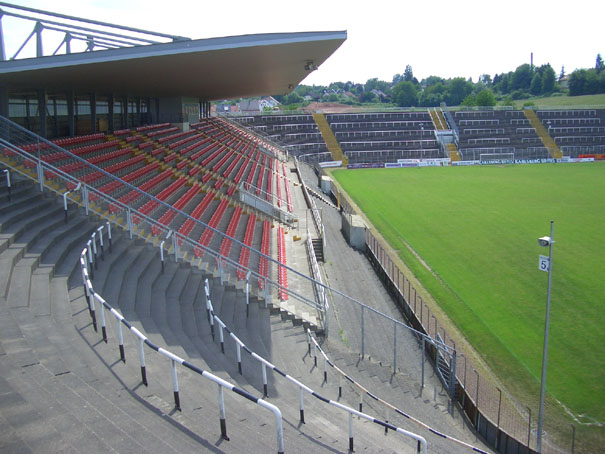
405,94
599,66
293,98
408,74
536,85
548,80
562,73
577,81
457,90
485,79
485,98
522,77
469,101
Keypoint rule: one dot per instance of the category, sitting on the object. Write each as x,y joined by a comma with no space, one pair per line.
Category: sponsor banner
391,165
465,163
426,162
586,159
366,165
330,164
535,161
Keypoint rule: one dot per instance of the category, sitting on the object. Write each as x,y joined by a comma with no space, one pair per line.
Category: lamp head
545,241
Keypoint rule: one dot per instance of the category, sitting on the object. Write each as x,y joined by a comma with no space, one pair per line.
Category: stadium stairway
547,141
64,390
329,138
440,124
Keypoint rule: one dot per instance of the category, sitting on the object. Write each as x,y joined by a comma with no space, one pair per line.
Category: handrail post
40,174
264,369
362,333
103,326
121,341
220,335
248,293
100,230
109,234
85,197
8,183
94,248
142,361
90,261
129,222
239,358
175,386
221,413
91,303
301,405
351,432
162,254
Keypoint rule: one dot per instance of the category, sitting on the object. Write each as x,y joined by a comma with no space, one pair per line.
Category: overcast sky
444,38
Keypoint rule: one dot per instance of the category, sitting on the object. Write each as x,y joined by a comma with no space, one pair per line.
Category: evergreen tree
536,84
599,66
548,80
562,74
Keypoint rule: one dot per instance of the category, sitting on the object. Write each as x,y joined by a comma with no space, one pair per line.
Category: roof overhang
210,69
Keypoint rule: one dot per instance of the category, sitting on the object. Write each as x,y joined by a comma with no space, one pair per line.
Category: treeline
406,91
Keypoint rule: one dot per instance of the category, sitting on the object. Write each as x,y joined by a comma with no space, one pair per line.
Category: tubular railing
93,299
127,215
214,319
364,391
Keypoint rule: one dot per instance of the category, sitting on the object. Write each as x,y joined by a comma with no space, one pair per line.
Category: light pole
545,241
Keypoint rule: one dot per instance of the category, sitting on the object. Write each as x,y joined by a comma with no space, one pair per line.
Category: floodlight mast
545,241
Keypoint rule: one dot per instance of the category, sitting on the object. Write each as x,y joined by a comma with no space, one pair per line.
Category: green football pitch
477,230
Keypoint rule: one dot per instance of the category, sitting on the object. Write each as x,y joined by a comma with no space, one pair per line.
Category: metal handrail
92,296
5,123
213,318
364,390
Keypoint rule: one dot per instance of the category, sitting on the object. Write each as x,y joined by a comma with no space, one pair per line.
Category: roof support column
110,112
2,49
42,111
55,118
93,113
138,116
124,122
4,101
71,123
27,114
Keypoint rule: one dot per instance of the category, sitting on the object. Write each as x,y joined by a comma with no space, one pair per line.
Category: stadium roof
211,69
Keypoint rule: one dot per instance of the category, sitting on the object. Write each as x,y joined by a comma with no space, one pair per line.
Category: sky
464,38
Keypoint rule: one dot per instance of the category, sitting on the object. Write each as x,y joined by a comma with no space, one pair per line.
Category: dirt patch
329,107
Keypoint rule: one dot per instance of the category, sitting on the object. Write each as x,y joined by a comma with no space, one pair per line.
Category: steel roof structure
209,69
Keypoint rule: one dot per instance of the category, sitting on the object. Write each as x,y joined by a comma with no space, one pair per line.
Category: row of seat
180,205
205,237
263,266
244,256
282,275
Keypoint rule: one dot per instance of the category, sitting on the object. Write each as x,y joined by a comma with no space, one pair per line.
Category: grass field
576,102
477,229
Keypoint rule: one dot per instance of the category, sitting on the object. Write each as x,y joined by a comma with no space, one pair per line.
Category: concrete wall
354,230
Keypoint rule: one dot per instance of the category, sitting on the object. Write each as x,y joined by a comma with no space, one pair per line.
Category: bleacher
196,172
298,133
380,137
496,132
577,132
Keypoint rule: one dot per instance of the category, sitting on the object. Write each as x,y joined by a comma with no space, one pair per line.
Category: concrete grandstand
128,210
